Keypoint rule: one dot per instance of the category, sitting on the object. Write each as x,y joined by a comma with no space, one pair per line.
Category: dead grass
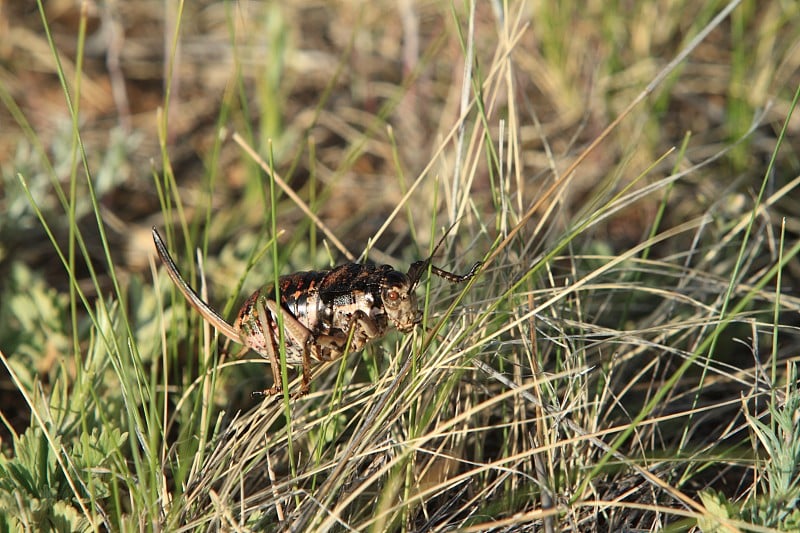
621,361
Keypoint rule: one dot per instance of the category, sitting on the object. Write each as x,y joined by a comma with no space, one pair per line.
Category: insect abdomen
300,296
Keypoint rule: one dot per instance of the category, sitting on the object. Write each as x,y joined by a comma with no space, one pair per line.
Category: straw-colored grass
626,357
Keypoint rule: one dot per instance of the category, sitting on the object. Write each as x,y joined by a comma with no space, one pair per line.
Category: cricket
325,313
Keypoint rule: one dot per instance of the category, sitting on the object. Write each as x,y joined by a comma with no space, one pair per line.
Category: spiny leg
301,336
293,331
306,369
271,348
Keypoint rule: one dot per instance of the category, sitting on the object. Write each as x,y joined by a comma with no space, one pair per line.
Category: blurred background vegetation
352,103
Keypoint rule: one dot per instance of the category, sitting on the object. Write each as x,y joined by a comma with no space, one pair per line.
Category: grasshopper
325,313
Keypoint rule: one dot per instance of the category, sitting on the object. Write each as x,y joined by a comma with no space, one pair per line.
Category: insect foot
325,313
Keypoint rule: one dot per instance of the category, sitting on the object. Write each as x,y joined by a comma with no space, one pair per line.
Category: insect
325,313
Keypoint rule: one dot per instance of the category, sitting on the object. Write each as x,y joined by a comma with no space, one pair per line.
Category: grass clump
626,357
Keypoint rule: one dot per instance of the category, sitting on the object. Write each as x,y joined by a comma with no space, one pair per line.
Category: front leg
361,329
369,326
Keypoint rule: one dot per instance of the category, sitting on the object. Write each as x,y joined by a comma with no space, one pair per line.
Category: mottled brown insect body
320,310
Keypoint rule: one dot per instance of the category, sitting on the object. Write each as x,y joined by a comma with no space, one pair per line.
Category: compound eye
393,295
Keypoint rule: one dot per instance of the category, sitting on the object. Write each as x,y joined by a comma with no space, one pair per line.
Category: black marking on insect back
294,285
352,278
